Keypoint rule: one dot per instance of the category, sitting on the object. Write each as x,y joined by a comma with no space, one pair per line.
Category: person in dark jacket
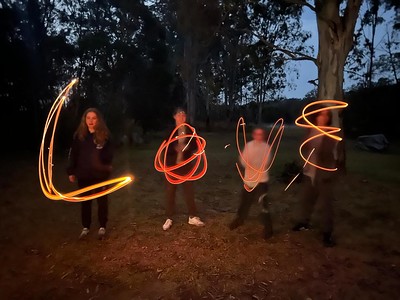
90,162
177,152
318,183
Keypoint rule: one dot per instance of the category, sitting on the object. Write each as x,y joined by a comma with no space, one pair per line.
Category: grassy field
41,257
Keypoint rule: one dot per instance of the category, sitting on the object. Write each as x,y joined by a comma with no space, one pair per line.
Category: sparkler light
171,173
324,130
46,173
267,160
295,177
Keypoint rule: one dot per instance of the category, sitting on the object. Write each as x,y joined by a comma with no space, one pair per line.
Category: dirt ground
42,258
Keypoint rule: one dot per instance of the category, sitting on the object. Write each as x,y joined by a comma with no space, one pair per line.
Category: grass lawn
41,257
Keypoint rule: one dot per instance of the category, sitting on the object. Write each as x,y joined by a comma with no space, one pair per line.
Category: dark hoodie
89,161
172,154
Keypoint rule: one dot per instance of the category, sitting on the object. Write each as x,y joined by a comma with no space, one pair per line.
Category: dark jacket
172,153
88,161
323,156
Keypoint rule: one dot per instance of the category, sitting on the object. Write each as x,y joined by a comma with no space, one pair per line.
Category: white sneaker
167,225
196,221
84,233
101,233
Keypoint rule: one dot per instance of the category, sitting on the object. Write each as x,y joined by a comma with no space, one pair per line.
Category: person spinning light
318,183
90,162
177,152
253,158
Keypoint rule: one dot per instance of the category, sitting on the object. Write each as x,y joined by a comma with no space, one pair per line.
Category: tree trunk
190,79
335,42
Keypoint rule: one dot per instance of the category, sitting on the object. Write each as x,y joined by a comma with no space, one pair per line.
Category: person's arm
73,159
103,159
244,157
107,153
192,147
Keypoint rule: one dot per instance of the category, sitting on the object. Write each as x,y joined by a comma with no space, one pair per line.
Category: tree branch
301,2
293,55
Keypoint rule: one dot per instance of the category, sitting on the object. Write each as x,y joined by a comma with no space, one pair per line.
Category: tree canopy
137,60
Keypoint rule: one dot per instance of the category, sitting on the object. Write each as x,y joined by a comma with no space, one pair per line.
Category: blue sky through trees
308,70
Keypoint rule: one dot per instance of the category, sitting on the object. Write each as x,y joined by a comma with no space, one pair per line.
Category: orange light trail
295,177
266,163
324,130
46,170
160,160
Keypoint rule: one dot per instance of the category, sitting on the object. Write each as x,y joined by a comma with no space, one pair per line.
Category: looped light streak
160,160
267,161
325,130
46,173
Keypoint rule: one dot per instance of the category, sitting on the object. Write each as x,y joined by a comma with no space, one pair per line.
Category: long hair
101,133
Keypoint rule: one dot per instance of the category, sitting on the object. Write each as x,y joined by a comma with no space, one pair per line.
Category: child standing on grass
318,183
174,156
254,154
90,161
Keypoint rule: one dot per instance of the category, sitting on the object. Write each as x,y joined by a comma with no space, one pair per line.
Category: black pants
86,206
188,190
247,199
322,191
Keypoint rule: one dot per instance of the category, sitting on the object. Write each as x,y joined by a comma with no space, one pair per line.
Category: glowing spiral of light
46,171
160,160
324,130
266,163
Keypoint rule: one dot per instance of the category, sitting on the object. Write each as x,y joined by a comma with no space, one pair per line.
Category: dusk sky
307,69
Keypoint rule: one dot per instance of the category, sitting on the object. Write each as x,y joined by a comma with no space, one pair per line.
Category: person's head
92,121
322,118
179,116
258,134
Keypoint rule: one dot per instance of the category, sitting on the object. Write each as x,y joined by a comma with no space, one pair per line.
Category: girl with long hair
90,161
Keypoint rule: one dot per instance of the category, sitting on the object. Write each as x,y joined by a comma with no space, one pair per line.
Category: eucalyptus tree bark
335,34
196,21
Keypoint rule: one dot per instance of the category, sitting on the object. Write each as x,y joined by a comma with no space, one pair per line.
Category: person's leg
326,197
307,202
246,200
265,216
170,199
86,206
86,213
102,211
170,204
188,191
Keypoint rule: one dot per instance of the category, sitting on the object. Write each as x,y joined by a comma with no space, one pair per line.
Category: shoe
101,233
195,221
236,223
328,240
167,225
84,233
301,227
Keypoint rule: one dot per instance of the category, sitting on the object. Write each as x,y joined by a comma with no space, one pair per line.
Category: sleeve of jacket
73,157
171,152
107,153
